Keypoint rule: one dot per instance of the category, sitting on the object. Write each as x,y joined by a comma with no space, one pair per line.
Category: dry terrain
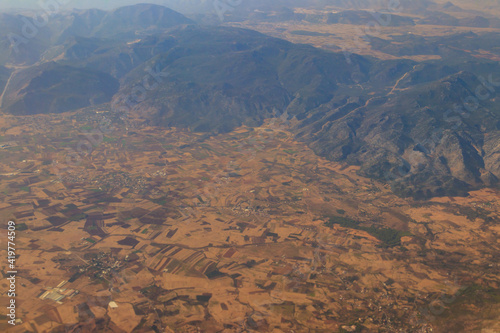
356,38
163,230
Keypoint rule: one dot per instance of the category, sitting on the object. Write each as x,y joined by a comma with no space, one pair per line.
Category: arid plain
244,231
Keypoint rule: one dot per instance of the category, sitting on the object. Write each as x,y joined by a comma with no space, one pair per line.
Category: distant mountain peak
126,20
451,7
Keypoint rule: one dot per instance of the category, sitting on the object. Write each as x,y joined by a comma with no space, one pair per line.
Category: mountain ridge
214,79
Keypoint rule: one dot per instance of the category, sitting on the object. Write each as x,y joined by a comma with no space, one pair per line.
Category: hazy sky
104,4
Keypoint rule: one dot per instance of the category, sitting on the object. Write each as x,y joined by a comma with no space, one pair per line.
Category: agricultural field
357,28
146,229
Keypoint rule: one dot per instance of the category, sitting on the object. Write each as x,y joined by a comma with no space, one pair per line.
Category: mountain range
419,126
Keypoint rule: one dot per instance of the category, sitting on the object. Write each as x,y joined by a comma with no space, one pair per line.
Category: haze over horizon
109,4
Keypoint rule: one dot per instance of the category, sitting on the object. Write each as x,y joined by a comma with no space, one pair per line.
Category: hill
54,88
220,78
125,23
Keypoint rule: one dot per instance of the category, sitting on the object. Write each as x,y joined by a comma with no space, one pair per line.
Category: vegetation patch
390,237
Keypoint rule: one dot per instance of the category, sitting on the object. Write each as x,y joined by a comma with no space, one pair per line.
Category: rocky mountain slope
56,88
418,126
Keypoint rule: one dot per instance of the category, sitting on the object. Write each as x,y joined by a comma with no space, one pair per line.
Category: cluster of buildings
58,293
